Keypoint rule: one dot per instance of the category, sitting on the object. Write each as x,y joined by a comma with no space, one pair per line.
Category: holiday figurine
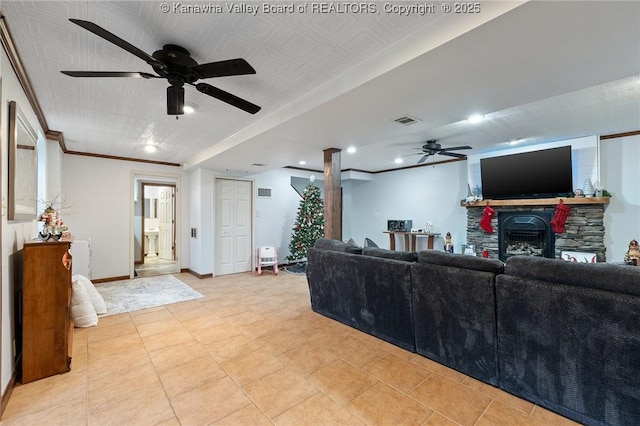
587,189
448,247
632,255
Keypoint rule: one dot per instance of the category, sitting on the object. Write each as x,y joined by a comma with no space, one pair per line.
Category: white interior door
233,226
166,219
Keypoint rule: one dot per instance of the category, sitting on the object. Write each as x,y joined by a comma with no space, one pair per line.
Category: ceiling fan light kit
175,64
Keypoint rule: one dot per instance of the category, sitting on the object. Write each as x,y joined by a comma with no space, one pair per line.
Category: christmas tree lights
309,224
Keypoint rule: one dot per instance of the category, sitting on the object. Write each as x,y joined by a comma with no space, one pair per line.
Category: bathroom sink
152,236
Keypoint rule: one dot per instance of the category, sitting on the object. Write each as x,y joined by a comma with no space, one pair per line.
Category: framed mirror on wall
23,166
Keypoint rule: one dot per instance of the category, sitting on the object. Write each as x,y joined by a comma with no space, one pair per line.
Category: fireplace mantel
537,201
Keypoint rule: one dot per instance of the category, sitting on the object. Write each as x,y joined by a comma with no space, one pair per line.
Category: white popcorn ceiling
539,71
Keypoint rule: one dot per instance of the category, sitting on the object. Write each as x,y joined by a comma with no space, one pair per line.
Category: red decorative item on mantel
560,217
485,222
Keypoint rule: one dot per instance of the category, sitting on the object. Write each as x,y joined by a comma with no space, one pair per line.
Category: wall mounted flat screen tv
539,174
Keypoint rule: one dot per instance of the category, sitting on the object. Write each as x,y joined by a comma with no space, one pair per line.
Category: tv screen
538,174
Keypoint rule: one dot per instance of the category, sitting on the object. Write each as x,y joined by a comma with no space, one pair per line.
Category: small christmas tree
309,224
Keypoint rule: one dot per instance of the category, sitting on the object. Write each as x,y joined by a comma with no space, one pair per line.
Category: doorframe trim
144,183
168,179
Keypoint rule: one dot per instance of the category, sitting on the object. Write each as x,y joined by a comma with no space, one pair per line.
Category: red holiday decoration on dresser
487,214
560,217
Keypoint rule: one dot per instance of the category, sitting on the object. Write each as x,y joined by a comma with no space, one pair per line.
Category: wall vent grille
264,192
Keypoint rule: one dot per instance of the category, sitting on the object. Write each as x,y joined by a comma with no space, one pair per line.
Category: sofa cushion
436,257
407,256
370,243
618,278
336,245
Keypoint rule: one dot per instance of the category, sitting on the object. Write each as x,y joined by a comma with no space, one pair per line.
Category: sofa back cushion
336,245
455,319
436,257
368,293
618,278
407,256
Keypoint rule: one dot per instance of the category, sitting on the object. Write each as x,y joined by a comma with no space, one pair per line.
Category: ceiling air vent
264,192
406,120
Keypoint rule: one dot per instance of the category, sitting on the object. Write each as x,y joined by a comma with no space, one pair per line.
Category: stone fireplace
584,227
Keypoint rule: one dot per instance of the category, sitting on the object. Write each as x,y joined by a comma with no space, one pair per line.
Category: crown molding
620,135
21,73
23,78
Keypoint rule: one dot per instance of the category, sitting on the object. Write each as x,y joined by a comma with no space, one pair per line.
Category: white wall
274,217
422,194
15,233
100,196
619,168
201,216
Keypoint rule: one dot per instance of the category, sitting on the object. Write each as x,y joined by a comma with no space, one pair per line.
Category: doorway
157,254
233,213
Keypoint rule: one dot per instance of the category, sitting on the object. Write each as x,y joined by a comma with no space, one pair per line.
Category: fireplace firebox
525,233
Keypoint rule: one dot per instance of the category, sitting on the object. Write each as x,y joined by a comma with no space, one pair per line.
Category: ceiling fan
175,64
432,147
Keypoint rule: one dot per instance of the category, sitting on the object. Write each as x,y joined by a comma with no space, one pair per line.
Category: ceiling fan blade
423,159
452,154
227,97
108,74
175,100
455,148
101,32
224,68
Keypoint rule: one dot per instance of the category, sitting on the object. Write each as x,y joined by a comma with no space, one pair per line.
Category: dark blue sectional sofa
565,336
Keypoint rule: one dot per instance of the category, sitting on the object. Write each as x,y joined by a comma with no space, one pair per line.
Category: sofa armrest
571,349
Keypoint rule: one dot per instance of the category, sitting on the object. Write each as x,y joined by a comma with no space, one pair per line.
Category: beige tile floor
251,352
154,265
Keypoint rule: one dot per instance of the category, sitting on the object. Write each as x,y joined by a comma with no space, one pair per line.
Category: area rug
142,293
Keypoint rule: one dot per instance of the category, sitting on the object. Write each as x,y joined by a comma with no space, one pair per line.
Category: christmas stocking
560,217
485,221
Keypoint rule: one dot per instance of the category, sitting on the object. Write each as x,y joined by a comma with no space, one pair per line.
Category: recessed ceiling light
150,148
398,160
351,149
302,163
475,118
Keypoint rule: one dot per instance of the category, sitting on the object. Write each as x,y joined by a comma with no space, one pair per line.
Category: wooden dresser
44,328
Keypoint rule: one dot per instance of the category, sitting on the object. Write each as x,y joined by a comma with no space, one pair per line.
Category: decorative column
332,194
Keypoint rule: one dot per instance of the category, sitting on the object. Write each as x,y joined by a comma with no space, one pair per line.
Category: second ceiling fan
175,64
432,147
